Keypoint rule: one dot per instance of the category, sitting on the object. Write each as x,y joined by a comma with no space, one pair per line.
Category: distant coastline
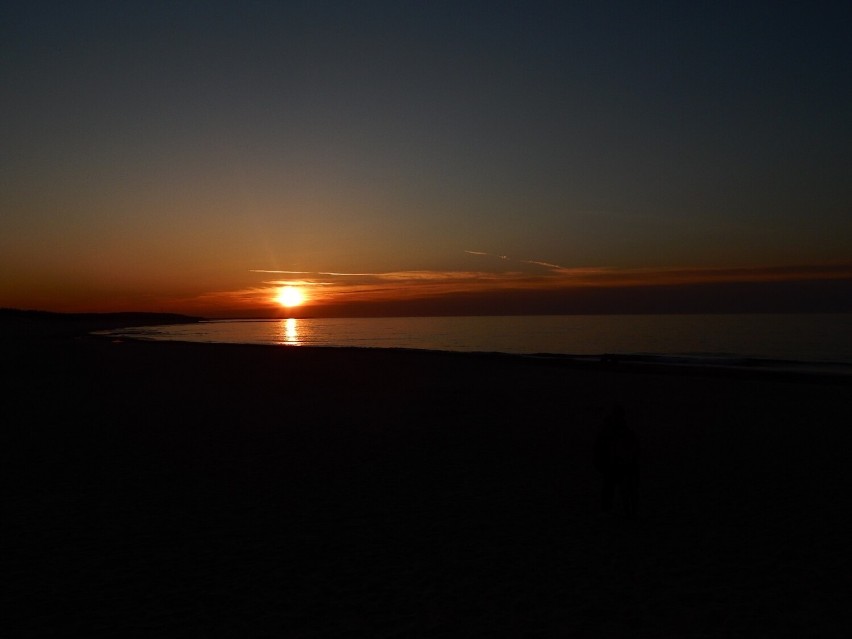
17,323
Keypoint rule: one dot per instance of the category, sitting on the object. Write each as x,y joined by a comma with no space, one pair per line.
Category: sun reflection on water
289,332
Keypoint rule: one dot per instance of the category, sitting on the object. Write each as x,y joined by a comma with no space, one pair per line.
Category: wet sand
167,489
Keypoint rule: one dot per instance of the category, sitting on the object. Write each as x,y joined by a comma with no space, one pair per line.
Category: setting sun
290,296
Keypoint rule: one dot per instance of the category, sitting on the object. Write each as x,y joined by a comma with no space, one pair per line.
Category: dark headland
160,489
16,324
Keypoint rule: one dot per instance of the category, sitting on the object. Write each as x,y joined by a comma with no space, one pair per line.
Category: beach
161,489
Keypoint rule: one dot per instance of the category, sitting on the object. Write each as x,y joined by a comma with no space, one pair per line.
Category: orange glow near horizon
530,276
542,284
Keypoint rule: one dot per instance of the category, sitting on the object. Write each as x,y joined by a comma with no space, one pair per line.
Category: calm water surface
804,338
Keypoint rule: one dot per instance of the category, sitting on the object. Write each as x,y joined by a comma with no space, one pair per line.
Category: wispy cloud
544,264
257,270
331,287
484,254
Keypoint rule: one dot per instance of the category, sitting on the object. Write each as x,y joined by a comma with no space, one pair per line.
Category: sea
806,342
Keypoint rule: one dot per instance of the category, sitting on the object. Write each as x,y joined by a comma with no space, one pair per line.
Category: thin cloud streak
507,258
547,277
256,270
544,264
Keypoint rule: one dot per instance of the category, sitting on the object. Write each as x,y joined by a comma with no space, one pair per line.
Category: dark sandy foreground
166,489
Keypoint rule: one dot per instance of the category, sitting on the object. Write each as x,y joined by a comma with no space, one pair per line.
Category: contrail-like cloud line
545,264
511,259
259,270
501,257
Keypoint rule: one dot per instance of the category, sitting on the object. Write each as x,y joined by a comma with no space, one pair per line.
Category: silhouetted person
617,459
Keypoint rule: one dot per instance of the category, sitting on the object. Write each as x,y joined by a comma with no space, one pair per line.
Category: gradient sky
425,157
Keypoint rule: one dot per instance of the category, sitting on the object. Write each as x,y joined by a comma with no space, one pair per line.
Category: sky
426,157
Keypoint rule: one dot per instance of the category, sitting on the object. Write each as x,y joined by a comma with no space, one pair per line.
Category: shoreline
683,360
744,367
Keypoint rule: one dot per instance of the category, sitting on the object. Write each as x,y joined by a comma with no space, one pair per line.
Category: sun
290,296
